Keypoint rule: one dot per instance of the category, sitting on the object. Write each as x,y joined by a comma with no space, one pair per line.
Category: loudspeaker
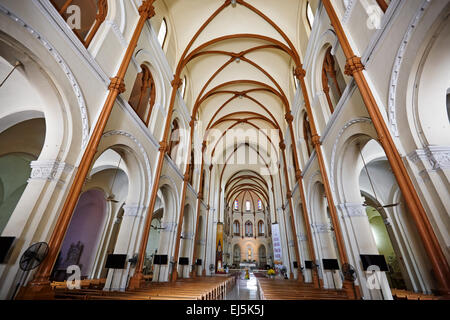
198,262
295,265
183,261
374,260
330,264
5,247
160,259
116,261
308,264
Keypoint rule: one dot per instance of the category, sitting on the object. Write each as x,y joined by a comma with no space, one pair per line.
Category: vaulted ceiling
239,59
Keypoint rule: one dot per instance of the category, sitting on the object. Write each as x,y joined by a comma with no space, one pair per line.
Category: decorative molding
117,32
333,153
58,58
134,211
349,5
351,210
302,237
168,226
50,170
437,157
187,235
136,141
320,228
392,116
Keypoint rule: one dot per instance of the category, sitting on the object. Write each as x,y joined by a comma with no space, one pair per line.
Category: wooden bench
271,289
408,295
200,288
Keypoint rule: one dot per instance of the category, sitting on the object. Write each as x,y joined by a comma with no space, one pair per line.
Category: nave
188,140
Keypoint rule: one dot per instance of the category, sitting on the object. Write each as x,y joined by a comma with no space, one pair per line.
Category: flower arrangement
271,272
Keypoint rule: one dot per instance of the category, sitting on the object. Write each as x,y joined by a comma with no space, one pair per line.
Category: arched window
191,169
236,205
260,228
162,34
248,206
236,228
260,207
332,80
307,134
248,229
295,79
84,17
143,95
174,140
183,87
309,15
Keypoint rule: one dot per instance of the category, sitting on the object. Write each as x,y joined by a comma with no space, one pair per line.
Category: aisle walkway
244,289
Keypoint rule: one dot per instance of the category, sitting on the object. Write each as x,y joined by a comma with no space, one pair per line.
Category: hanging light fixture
111,196
16,65
372,185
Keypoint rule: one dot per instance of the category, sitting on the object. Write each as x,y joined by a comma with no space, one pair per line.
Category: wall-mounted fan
30,260
349,274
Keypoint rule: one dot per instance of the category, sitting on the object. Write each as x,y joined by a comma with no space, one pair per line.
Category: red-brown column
40,285
355,68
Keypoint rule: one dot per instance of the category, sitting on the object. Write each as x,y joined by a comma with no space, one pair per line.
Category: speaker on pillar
6,243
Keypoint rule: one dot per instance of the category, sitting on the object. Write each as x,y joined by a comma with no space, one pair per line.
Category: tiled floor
244,289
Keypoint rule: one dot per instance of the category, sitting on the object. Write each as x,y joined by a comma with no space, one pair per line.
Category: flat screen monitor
160,259
330,264
5,247
198,262
116,261
183,261
374,260
308,264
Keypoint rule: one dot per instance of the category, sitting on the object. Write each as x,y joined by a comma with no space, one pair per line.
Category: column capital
176,82
289,117
282,145
210,167
192,123
203,145
299,72
353,65
117,84
298,174
186,177
316,139
147,10
289,194
163,146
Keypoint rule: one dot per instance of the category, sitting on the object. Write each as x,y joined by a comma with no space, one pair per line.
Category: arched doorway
82,238
236,256
153,240
19,146
262,255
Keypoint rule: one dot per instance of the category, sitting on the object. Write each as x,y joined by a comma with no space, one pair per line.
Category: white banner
276,240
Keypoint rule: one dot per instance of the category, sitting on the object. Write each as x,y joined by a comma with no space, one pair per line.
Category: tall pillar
355,68
40,285
291,208
207,221
174,276
299,178
300,74
199,200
